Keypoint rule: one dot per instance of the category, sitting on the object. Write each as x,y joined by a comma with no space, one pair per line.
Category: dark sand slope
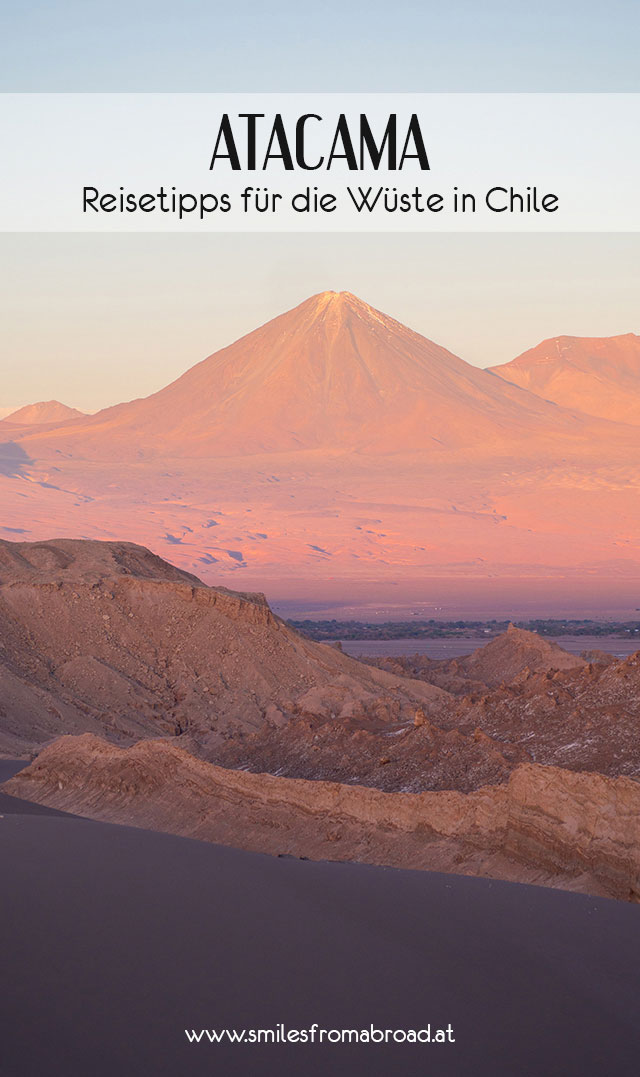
545,825
116,940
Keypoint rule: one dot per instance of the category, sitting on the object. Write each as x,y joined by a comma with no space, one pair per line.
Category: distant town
432,629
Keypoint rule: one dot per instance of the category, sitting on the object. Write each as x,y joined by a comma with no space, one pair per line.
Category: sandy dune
147,934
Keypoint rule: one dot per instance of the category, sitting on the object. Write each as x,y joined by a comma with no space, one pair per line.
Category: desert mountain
597,375
331,374
45,411
107,638
334,442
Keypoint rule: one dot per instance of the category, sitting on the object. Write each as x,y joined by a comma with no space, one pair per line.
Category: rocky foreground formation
528,695
545,825
194,709
518,699
107,638
512,654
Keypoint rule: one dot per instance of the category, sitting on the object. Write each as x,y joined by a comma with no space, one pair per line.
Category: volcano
333,373
335,443
45,411
597,375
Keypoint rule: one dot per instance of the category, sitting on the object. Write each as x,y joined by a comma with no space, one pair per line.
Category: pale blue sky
93,320
292,45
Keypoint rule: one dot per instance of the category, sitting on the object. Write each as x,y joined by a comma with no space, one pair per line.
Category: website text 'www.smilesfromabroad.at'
279,1034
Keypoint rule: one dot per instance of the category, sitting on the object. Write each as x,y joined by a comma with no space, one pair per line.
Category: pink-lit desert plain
334,451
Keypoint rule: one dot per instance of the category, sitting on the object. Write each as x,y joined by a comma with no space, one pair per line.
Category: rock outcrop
511,653
110,639
548,825
587,718
107,638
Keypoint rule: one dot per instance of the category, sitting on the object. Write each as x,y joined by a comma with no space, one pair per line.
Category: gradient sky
93,320
410,45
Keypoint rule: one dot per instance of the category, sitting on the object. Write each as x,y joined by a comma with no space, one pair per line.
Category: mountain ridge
334,442
333,373
600,376
44,411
